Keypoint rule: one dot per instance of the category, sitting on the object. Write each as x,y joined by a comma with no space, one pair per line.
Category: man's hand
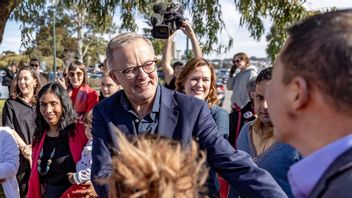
87,192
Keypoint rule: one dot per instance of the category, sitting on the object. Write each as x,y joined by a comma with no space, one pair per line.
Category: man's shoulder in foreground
337,179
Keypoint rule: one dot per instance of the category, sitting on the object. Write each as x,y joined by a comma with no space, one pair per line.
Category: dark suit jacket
181,118
337,179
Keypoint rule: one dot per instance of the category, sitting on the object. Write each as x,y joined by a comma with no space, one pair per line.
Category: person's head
251,89
241,60
76,74
26,83
198,79
55,110
88,120
156,167
108,86
104,66
260,103
313,74
177,68
34,63
13,67
132,64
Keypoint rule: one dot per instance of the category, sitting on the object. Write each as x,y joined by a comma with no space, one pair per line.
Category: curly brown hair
152,166
190,66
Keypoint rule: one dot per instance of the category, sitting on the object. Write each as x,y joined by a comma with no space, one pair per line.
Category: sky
242,40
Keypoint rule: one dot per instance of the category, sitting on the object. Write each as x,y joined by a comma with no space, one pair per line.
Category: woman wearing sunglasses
83,97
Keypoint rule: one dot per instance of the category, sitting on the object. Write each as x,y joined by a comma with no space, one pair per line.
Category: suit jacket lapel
169,112
120,120
342,163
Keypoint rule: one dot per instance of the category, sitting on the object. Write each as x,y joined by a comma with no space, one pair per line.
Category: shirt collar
305,174
155,108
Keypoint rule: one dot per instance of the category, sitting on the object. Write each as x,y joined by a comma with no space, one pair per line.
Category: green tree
205,14
282,13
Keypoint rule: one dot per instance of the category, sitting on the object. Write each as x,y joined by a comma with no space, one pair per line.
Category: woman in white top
9,162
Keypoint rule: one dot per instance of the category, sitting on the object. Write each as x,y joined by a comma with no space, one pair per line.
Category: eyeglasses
237,60
73,74
132,72
34,65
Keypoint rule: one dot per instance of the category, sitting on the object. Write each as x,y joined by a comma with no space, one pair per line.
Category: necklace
48,162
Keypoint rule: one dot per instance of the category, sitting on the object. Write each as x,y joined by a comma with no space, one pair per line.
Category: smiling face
76,77
142,88
260,103
26,83
198,82
51,109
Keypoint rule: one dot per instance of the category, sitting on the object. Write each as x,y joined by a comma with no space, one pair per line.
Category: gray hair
122,40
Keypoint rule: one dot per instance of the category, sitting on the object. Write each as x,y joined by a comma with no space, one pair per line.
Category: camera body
166,19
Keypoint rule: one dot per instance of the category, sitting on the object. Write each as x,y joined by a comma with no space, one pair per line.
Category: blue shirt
304,175
276,159
148,124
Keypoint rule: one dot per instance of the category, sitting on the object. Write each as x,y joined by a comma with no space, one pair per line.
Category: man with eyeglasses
146,107
34,63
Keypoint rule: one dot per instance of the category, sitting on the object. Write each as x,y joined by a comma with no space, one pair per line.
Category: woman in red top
83,97
57,143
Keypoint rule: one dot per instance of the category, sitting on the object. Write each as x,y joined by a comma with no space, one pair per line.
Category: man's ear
113,77
299,92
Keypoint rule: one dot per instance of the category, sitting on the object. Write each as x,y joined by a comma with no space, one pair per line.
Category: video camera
166,19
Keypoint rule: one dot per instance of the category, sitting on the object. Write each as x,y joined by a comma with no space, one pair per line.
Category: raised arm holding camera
172,72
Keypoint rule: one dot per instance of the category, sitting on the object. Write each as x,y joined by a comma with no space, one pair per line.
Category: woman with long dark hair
57,143
19,113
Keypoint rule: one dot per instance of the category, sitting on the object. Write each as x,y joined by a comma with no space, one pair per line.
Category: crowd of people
288,135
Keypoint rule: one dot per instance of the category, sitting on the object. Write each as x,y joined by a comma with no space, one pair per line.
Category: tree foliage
75,30
206,16
282,13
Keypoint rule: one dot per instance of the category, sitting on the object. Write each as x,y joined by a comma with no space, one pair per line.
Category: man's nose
265,104
141,74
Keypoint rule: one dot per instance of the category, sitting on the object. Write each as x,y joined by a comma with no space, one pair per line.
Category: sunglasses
237,60
73,74
34,65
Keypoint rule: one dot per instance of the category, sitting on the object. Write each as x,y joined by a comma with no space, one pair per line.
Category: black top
20,116
62,161
172,84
